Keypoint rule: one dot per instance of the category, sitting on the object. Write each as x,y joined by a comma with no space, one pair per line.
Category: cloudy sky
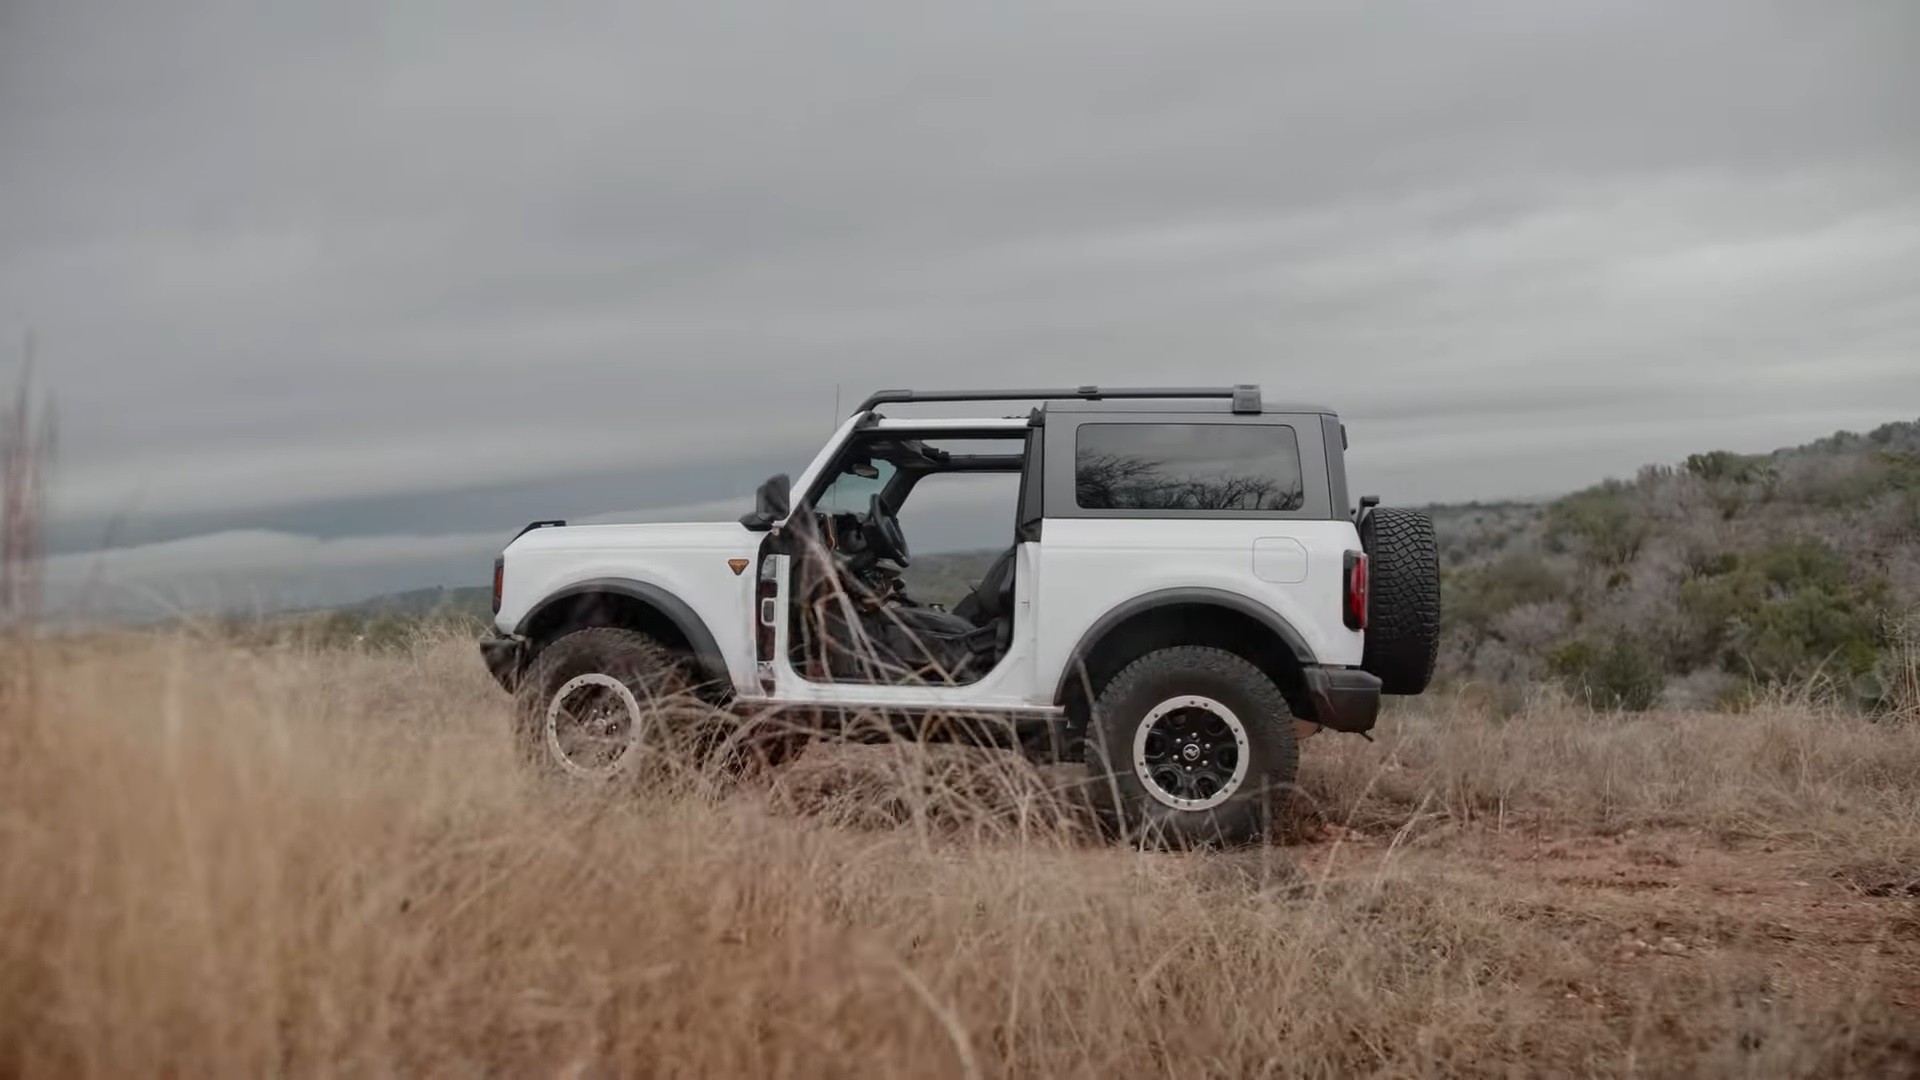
334,296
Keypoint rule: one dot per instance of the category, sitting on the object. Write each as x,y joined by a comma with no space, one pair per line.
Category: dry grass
228,862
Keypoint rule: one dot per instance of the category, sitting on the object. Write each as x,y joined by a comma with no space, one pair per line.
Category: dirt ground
1640,903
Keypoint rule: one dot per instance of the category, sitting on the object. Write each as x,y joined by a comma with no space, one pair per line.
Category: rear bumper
1343,699
506,658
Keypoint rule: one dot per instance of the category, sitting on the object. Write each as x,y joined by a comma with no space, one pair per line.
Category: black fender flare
706,650
1074,669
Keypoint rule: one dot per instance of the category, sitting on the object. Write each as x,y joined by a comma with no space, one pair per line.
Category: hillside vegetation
1701,583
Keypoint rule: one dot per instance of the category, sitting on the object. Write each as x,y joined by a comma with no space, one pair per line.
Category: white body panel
687,561
1082,570
1089,567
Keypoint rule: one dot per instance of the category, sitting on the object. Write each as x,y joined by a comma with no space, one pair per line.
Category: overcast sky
335,296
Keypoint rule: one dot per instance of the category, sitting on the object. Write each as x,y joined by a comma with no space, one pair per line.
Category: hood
652,536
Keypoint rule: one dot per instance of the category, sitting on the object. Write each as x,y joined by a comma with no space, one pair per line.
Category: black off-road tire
1119,790
1403,598
658,678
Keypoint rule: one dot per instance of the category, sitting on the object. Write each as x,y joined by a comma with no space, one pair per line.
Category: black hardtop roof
1216,408
1242,399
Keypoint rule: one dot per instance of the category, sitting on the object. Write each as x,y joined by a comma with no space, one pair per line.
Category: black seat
992,599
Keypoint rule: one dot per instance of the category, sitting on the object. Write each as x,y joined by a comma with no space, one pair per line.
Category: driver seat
991,601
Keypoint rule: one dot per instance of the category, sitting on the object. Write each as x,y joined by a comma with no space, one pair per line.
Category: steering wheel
885,538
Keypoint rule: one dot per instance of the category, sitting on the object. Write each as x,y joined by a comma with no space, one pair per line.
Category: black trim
552,524
859,441
1343,699
706,651
1245,397
1334,434
506,658
1090,640
1032,483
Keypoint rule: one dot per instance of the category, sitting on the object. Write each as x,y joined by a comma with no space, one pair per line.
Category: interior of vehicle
853,615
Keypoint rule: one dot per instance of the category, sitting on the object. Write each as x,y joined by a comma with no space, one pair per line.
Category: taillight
499,580
1356,614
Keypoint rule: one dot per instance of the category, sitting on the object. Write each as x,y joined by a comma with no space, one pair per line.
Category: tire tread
1403,599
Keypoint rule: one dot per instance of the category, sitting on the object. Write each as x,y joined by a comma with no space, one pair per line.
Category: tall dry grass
290,861
1785,770
26,452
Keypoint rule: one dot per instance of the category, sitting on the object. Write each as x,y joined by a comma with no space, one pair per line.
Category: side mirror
771,503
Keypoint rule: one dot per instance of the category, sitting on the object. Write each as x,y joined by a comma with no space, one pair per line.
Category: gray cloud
366,270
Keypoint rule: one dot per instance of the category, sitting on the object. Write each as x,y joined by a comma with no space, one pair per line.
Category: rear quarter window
1204,467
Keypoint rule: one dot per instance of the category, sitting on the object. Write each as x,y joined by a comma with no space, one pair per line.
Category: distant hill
942,577
945,577
476,601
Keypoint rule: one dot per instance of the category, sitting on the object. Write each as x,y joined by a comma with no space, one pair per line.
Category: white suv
1186,593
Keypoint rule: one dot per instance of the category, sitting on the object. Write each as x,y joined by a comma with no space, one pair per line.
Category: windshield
850,493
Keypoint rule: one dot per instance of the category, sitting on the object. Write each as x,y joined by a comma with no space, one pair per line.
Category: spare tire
1403,598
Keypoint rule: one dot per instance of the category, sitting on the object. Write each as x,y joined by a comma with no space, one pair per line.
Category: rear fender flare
1139,605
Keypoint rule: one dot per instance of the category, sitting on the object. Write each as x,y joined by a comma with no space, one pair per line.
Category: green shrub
1604,525
1723,466
1619,673
1810,633
1478,596
1784,614
1702,562
1853,482
1734,480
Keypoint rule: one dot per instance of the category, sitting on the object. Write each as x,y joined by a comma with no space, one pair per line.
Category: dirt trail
1676,897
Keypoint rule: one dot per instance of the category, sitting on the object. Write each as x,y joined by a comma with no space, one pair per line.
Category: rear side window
1187,467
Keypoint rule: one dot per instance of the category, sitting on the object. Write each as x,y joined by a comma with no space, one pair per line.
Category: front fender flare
706,650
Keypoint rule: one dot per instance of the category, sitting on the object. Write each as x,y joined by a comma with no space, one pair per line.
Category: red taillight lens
1356,614
499,580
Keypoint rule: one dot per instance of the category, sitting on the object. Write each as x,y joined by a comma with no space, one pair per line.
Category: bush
1604,525
1619,674
1722,466
1849,482
1785,614
1477,597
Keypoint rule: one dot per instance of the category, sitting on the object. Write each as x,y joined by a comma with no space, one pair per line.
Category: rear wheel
1187,745
599,702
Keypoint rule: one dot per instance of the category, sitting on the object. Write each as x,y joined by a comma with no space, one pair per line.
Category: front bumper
1343,699
506,658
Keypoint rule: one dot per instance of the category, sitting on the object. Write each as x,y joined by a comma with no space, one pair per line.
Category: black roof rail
1245,397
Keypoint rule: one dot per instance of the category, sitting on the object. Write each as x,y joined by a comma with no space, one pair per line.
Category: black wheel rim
1190,753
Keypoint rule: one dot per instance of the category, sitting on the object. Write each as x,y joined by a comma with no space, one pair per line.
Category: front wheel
598,700
1187,745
